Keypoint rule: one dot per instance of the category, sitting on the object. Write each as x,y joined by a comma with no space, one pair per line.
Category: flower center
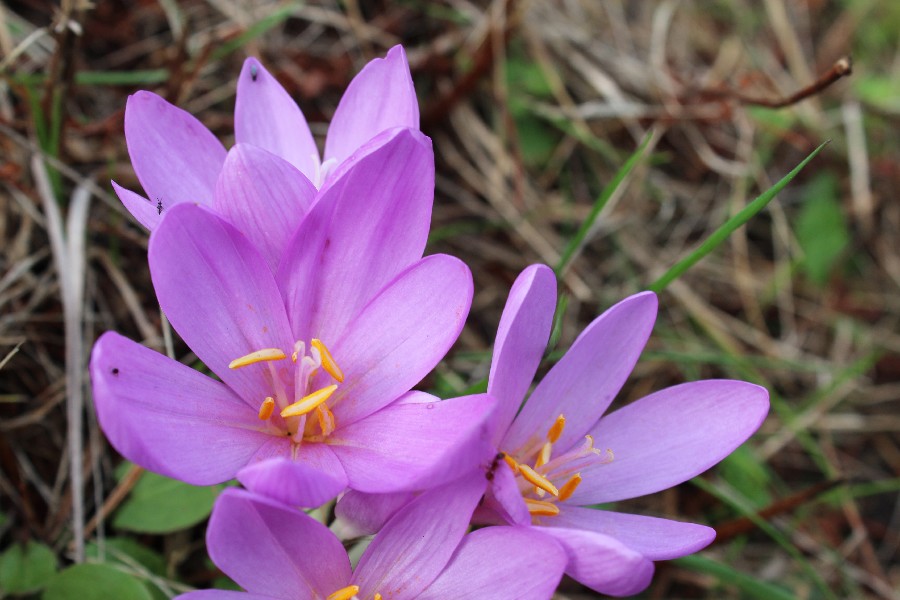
303,412
552,479
349,593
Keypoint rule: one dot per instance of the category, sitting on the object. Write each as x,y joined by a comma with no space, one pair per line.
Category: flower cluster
299,282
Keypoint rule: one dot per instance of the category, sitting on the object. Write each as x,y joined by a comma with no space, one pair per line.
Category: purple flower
423,552
560,456
315,361
266,183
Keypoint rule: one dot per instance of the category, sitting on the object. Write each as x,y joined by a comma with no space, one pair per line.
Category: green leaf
721,234
158,504
750,586
94,582
26,569
747,475
821,231
133,556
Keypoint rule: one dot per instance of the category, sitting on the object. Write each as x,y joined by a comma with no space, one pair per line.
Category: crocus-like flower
177,159
316,360
558,456
422,553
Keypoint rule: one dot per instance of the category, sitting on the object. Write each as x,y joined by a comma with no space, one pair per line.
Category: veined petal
521,339
602,563
400,336
147,213
219,295
656,539
501,562
175,157
267,117
264,196
366,227
415,443
294,483
416,544
270,549
361,513
670,436
584,382
169,418
380,97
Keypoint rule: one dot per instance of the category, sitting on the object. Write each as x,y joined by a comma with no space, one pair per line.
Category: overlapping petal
147,213
521,339
374,219
414,546
670,436
361,513
654,538
219,295
380,97
175,157
400,335
272,550
533,567
267,117
169,418
602,562
415,443
312,480
586,380
264,197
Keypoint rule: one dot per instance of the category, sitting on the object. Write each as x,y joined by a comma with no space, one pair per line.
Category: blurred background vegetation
533,106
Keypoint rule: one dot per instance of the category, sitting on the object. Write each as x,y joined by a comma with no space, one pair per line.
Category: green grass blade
726,229
257,29
599,203
752,587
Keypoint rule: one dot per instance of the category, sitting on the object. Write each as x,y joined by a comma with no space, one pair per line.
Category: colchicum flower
275,163
558,456
423,553
316,360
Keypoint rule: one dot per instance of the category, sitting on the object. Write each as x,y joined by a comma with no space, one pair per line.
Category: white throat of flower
304,413
323,169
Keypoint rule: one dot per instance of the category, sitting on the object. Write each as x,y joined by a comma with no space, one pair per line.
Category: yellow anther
544,455
308,403
541,508
537,480
266,409
377,596
344,593
328,361
326,419
556,429
255,357
566,491
511,462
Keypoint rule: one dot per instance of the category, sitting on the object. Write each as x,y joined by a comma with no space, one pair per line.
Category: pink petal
267,117
293,483
366,227
175,157
521,340
602,563
400,336
501,562
503,503
229,595
656,539
264,197
584,382
219,295
272,550
147,213
362,514
416,544
416,443
670,436
169,418
380,97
